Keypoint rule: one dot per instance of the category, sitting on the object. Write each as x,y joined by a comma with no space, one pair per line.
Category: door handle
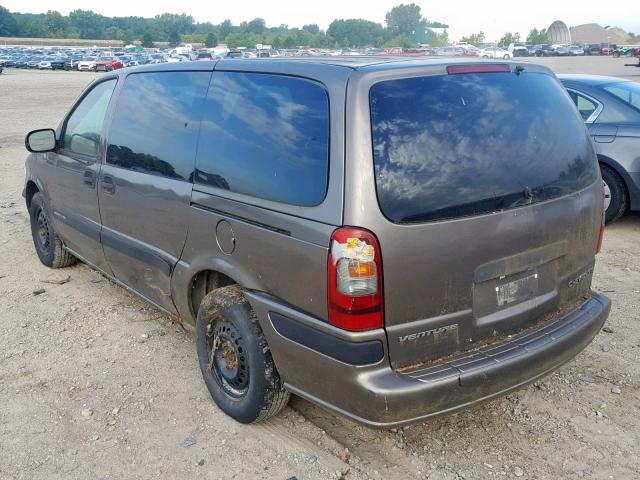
89,178
108,185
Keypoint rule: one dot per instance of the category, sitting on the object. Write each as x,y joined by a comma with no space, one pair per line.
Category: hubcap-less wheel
44,234
607,196
227,358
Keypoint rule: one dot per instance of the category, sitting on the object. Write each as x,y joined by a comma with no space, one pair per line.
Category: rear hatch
488,185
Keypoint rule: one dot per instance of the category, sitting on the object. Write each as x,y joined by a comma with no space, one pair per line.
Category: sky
494,18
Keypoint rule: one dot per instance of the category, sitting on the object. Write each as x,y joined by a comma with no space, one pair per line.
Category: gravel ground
96,384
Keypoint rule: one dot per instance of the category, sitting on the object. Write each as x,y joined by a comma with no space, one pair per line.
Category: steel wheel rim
228,361
43,232
607,196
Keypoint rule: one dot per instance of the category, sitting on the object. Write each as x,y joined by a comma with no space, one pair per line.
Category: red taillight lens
480,68
601,235
354,280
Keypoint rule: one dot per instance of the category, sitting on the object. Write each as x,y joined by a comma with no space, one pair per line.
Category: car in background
610,107
45,63
58,63
204,56
593,49
72,63
494,52
87,64
607,50
108,64
545,51
531,50
34,62
576,50
562,51
518,49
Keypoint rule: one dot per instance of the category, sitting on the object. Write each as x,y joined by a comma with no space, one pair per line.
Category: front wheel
235,359
615,195
48,245
506,56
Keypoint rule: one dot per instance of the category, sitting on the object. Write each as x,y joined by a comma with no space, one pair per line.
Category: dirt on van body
96,384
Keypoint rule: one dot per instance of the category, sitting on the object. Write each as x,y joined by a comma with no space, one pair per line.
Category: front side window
83,129
628,92
266,136
451,146
155,123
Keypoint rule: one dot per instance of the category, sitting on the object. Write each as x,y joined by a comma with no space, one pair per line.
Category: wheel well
205,282
615,171
30,190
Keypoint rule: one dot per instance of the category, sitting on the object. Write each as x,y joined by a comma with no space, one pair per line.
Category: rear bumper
378,396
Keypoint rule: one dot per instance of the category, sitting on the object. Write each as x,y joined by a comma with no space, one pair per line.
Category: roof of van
591,79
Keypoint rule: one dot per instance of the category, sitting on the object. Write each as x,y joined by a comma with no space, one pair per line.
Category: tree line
400,22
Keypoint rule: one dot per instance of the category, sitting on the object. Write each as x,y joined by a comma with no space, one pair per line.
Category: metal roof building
558,32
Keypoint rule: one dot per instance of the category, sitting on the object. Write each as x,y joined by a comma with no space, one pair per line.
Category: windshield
628,92
459,145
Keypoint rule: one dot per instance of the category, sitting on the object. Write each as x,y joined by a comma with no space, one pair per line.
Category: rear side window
460,145
586,107
266,136
155,124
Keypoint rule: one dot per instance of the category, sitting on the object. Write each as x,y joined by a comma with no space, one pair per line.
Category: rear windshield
459,145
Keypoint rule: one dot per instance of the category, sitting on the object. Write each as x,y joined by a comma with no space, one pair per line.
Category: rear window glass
628,92
459,145
266,136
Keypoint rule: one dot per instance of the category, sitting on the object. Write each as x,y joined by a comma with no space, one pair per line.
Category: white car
495,52
87,64
45,64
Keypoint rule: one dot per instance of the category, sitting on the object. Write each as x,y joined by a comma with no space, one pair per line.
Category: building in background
559,33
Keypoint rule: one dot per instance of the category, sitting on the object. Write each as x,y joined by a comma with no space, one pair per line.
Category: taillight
479,68
354,280
601,235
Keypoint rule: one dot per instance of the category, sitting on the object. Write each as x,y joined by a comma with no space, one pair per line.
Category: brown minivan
391,239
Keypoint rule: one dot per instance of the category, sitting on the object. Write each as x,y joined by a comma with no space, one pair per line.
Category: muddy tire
235,360
619,199
49,247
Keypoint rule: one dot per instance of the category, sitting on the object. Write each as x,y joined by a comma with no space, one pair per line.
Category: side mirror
39,141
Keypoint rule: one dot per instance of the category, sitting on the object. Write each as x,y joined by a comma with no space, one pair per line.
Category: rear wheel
235,360
616,198
48,245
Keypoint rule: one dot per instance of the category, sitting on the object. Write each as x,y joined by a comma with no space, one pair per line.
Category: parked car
576,50
518,49
45,63
34,62
593,49
562,51
545,51
624,51
58,63
204,56
607,50
87,63
389,237
610,107
107,64
494,52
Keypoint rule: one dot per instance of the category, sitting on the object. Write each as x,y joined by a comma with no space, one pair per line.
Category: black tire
49,247
235,359
619,197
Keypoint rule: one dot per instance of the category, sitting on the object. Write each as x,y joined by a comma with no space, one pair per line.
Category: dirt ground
96,384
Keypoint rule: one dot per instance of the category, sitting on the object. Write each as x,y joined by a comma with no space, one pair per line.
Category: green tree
8,24
311,28
174,39
225,29
211,40
170,23
257,26
508,38
113,33
127,37
440,39
536,37
399,41
55,24
88,23
403,19
355,32
474,39
147,40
